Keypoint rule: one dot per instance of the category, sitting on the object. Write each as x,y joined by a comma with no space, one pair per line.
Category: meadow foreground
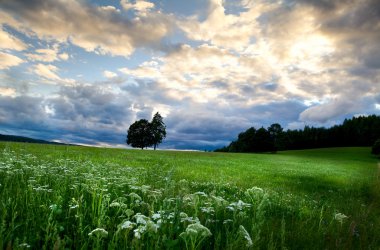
57,197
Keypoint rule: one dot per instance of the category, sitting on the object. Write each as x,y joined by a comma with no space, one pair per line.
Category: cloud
330,110
6,91
21,112
47,71
9,42
91,28
48,75
8,60
47,55
232,31
63,56
140,5
109,74
80,114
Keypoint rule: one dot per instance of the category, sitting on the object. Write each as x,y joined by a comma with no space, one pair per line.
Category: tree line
143,134
357,131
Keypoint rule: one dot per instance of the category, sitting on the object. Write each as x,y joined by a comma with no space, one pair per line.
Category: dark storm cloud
325,5
80,114
24,115
282,112
95,104
192,130
20,111
213,129
357,28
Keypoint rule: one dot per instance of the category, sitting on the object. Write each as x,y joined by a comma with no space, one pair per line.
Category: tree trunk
155,145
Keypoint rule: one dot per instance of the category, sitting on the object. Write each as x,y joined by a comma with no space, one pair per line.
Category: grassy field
57,197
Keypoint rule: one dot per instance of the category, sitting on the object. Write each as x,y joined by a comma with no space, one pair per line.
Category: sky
83,71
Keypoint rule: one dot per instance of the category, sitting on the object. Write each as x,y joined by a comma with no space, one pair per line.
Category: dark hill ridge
15,138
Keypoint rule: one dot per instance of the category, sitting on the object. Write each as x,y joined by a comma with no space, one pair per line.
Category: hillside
15,138
97,198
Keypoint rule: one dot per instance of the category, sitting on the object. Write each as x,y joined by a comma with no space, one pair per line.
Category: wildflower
141,219
207,210
219,200
127,225
240,205
24,245
255,189
74,206
115,204
135,196
151,227
99,232
194,235
55,209
245,235
201,194
139,231
129,212
340,217
156,216
227,221
198,229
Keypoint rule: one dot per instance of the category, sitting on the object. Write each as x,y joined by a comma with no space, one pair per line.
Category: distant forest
16,138
354,132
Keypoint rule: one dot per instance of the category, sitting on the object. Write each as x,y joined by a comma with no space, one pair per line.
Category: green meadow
71,197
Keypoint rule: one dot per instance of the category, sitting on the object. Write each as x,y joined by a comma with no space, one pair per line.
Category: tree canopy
158,129
143,134
357,131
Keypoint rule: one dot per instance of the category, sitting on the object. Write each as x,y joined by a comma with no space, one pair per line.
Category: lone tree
158,129
142,133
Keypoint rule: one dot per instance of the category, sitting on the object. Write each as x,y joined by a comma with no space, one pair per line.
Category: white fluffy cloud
94,29
7,41
47,55
8,60
109,74
6,91
141,6
47,71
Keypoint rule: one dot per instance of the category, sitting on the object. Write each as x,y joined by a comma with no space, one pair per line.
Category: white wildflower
129,212
201,194
340,217
207,210
24,245
156,216
240,205
74,206
115,204
245,235
139,231
99,232
141,219
135,196
227,221
197,229
151,227
127,225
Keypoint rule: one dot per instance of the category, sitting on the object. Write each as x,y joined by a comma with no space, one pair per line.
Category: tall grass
55,197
